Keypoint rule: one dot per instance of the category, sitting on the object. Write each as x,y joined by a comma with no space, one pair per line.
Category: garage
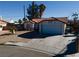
51,26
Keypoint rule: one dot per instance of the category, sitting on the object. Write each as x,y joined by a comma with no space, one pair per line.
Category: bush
12,30
0,26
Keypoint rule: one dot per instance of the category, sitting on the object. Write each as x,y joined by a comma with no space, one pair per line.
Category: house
73,26
19,27
3,24
29,25
51,26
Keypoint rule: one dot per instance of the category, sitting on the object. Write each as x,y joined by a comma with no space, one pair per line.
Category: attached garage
52,26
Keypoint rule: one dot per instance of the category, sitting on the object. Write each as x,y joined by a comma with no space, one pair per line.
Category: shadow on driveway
71,49
33,34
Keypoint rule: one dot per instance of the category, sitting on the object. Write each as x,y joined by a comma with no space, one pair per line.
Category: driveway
50,45
34,35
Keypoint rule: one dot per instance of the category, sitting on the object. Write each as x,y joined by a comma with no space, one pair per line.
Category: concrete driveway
51,45
48,45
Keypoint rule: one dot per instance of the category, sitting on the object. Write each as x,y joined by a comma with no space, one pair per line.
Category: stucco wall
29,26
3,23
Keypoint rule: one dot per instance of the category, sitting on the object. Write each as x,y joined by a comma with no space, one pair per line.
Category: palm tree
32,11
42,8
35,11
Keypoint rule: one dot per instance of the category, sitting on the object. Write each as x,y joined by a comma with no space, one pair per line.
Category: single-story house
51,25
29,25
2,24
19,27
73,26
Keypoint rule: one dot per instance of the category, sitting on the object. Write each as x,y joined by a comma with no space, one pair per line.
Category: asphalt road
13,51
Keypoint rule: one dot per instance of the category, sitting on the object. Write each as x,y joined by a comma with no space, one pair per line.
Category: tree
42,8
35,11
32,11
75,24
20,21
24,19
15,22
75,16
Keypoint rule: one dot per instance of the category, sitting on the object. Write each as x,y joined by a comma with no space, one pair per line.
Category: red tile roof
61,19
3,21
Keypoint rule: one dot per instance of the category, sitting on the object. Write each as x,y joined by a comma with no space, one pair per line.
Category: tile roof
61,19
4,21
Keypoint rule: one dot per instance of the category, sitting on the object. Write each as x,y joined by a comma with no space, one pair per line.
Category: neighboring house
2,24
29,25
51,25
73,26
19,27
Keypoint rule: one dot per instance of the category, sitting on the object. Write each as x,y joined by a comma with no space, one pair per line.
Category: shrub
0,26
12,30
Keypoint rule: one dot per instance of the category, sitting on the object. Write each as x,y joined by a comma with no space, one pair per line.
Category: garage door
52,27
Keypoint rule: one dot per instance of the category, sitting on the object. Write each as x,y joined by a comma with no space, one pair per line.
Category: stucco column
64,28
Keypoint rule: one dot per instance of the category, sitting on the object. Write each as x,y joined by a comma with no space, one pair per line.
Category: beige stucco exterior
3,23
64,27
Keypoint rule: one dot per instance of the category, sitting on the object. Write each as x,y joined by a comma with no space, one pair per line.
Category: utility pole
24,12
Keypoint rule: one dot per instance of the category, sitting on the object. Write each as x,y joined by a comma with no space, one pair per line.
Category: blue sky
14,10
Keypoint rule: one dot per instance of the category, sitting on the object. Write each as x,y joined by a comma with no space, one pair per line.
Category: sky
13,10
